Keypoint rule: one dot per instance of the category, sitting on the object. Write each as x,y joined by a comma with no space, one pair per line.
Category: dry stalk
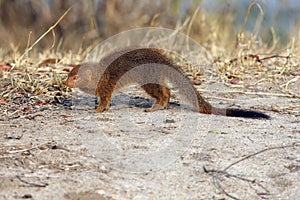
43,35
249,93
241,36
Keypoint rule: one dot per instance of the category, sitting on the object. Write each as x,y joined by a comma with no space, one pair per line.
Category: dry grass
241,60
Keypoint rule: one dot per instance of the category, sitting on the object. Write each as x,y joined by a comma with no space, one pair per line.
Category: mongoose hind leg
161,95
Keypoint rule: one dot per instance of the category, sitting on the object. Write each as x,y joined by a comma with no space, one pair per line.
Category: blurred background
213,23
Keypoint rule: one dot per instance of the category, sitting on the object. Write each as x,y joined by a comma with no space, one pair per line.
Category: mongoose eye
74,78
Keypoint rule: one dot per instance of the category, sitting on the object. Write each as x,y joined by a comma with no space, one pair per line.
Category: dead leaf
3,101
5,67
42,102
26,109
65,116
235,81
68,68
49,61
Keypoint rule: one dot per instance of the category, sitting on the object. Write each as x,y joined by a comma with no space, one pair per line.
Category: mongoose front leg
160,93
104,91
102,107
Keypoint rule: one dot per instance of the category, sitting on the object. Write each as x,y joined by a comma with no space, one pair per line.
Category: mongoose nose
66,84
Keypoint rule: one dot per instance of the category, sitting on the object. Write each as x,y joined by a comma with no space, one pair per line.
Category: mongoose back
102,79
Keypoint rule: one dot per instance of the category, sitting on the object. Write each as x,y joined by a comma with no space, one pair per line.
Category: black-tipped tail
246,114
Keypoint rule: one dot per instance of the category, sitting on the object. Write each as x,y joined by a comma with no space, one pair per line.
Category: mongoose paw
155,107
100,109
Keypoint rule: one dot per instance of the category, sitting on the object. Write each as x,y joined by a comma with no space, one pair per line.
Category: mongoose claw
101,109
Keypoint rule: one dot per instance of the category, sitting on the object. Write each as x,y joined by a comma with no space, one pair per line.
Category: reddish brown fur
70,82
118,63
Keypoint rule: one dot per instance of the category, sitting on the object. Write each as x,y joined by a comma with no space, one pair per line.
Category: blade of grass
43,35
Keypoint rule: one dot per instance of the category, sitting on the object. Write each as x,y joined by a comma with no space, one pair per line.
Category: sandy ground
125,153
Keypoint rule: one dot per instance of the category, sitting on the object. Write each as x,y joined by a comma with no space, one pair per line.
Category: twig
42,36
10,124
216,178
259,152
214,173
28,149
31,184
250,93
217,182
275,56
234,176
257,58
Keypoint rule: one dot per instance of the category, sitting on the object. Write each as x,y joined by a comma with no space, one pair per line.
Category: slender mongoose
102,79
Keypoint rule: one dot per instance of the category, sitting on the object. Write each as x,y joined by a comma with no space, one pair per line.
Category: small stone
170,121
197,82
27,196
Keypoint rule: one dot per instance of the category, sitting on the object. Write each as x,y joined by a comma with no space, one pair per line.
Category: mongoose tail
207,108
234,112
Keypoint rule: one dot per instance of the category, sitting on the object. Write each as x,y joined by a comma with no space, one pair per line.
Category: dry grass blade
191,23
28,149
43,35
248,13
249,93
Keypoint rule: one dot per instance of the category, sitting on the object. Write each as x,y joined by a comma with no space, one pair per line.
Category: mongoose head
84,77
72,77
